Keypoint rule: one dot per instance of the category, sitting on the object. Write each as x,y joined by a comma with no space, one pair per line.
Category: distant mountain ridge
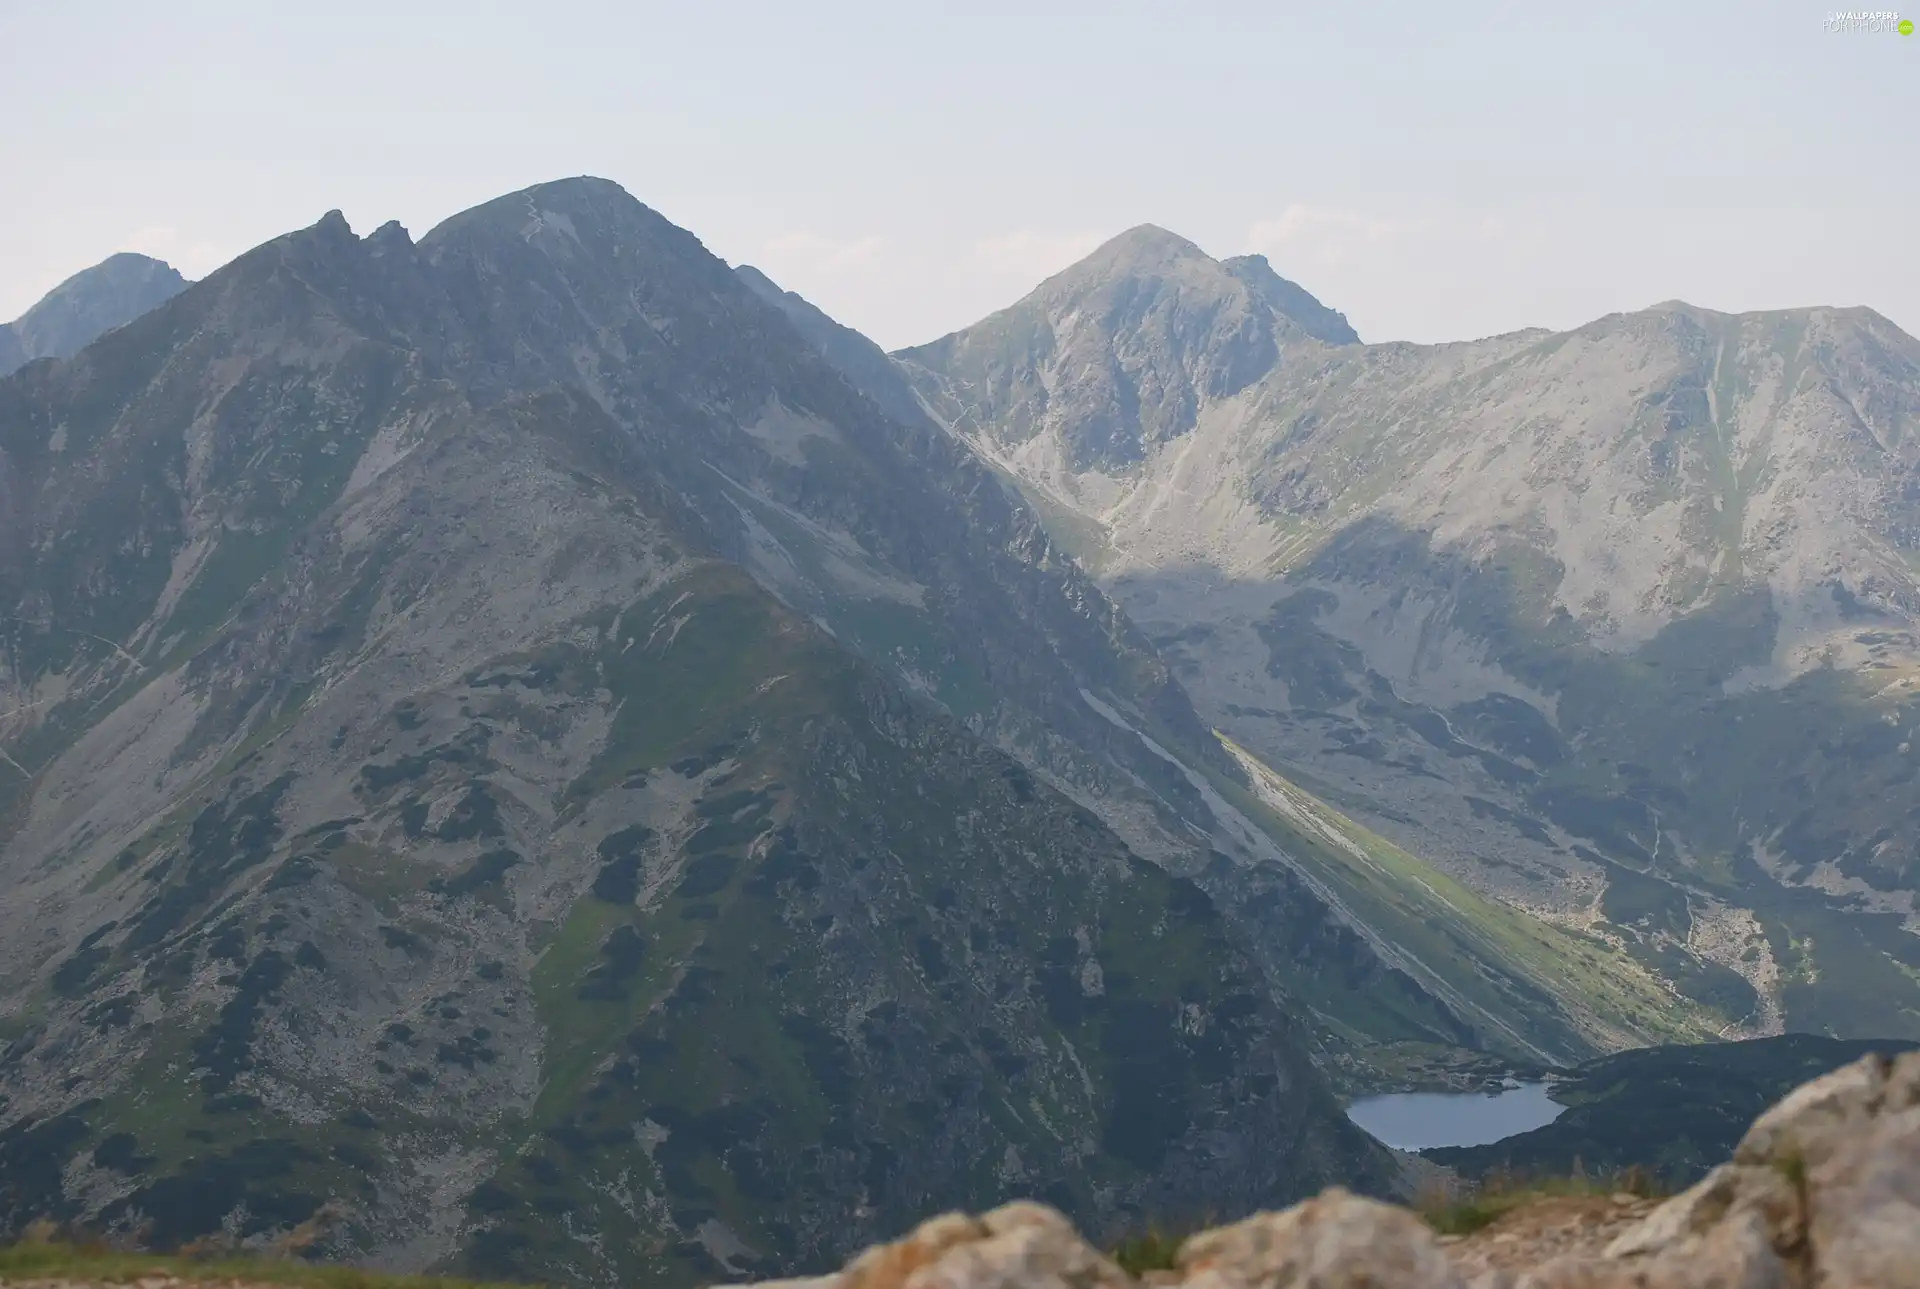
86,306
1619,625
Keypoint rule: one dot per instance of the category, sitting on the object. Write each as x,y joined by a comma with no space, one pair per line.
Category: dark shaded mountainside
86,306
501,737
1671,1112
1615,629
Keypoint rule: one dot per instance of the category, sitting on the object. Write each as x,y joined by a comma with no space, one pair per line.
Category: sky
1437,171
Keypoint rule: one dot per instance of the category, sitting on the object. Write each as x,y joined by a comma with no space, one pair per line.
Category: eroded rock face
1018,1245
1823,1193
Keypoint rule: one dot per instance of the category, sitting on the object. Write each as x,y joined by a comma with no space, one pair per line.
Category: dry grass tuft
1464,1208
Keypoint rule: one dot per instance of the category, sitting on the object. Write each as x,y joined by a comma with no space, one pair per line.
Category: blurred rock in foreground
1824,1191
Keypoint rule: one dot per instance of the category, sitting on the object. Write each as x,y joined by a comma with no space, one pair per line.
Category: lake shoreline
1430,1067
1418,1121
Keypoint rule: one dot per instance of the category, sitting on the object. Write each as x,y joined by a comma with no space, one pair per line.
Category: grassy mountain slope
1495,964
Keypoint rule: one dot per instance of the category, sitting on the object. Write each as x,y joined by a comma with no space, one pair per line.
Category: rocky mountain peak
1149,259
564,218
531,269
1143,249
391,235
87,305
1146,260
1120,352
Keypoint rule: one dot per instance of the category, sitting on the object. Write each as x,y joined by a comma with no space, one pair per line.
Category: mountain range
1616,625
546,755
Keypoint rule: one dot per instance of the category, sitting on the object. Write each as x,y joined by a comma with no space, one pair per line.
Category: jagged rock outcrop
1824,1193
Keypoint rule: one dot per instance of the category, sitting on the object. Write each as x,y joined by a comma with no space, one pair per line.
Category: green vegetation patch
1532,982
695,663
1498,1195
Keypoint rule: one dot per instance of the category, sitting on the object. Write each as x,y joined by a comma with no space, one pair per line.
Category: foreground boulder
1025,1245
1334,1241
1823,1193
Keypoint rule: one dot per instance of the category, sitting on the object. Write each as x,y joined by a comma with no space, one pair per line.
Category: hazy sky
1437,170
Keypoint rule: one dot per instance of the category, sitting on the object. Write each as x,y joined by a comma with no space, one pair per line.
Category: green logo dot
1906,26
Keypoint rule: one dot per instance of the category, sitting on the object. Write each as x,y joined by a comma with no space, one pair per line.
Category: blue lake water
1419,1120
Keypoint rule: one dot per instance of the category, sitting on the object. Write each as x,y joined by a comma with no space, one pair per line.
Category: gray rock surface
1334,1241
86,306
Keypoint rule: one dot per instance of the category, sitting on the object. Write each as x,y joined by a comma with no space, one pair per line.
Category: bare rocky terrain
1615,626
